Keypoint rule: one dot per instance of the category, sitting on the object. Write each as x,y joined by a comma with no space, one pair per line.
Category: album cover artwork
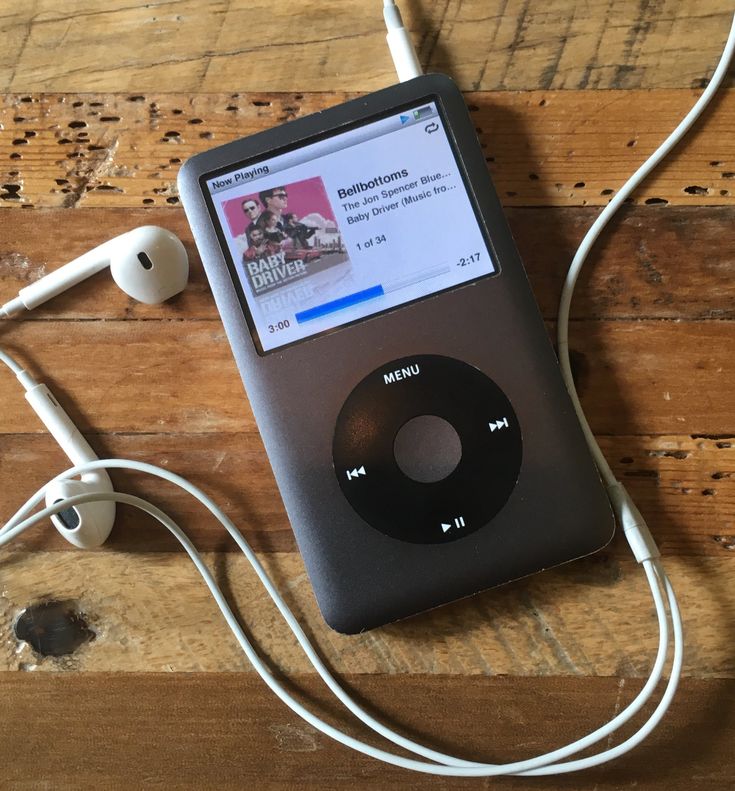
284,234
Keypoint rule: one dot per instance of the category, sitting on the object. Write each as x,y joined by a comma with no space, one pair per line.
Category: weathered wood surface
667,263
682,484
173,376
226,731
315,45
543,148
152,612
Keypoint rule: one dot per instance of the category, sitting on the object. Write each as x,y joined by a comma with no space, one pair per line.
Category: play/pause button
456,523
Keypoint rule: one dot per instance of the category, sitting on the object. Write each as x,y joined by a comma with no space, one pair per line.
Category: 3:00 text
279,325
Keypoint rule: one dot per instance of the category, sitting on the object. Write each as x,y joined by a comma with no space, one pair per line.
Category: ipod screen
352,225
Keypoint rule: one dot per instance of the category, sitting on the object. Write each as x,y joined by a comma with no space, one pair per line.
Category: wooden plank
152,612
226,731
643,377
671,263
684,486
311,45
543,149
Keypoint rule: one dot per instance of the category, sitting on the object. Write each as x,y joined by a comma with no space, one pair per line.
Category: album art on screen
284,235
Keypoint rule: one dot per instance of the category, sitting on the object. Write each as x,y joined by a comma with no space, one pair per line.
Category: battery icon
422,112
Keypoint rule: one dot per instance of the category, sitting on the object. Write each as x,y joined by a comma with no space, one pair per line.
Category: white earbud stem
89,524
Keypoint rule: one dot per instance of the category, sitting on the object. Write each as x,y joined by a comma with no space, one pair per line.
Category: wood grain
653,262
543,149
316,45
173,376
151,612
683,485
225,731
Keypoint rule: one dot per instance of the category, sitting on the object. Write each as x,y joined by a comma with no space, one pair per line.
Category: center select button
427,449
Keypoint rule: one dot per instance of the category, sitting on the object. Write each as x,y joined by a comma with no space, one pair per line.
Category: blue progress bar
339,304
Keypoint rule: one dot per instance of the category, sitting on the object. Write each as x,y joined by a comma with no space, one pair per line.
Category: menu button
401,373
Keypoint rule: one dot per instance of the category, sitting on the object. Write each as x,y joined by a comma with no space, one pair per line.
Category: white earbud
148,263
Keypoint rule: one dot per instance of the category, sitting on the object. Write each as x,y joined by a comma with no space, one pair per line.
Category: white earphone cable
603,219
448,765
10,362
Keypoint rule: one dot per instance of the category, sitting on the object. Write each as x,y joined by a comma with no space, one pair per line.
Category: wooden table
100,107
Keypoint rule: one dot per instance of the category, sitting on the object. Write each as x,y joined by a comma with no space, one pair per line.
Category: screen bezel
314,138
